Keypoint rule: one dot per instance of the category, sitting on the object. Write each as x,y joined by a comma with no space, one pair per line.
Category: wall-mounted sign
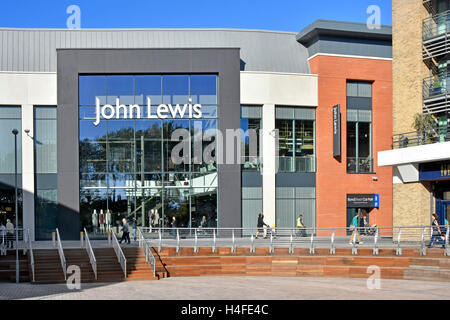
434,171
363,201
337,131
122,111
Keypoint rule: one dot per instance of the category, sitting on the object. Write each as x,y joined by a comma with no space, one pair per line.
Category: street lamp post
15,132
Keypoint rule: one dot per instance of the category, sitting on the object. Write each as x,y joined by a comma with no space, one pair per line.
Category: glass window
10,118
126,165
91,87
203,89
175,89
359,127
293,201
251,125
148,86
45,164
121,87
296,145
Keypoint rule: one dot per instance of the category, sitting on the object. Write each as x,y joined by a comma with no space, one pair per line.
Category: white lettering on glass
122,111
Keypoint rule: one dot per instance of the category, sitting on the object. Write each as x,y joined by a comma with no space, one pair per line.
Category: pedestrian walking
260,225
9,234
437,234
125,231
301,228
354,227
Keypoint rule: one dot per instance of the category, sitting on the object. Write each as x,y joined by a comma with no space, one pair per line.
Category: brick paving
232,288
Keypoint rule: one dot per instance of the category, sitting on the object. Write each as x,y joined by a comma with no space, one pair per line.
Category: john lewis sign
122,111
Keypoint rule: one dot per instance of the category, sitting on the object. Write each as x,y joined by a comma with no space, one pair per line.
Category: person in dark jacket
260,225
125,231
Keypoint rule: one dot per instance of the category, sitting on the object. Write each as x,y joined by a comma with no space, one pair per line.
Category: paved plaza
232,288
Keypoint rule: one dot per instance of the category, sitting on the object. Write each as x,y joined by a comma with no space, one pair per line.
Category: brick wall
333,182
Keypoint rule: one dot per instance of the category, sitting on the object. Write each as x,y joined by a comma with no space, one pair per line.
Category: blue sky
284,15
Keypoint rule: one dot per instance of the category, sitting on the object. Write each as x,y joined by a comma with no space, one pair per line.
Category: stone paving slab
232,288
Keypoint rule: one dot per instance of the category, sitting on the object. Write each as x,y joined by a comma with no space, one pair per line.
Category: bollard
332,249
178,242
196,242
81,239
109,238
252,245
54,239
291,247
233,247
160,240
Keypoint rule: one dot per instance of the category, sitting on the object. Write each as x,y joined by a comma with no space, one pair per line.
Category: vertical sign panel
337,131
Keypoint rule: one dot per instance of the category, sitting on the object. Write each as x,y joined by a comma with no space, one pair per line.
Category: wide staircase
47,266
410,265
138,268
8,267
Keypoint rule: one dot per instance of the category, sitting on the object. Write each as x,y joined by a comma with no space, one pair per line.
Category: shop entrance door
443,211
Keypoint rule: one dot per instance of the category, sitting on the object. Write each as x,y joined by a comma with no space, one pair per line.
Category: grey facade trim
295,179
251,179
71,63
346,38
7,181
322,27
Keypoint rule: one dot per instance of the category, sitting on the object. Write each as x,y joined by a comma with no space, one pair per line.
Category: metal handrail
90,253
61,254
149,256
30,248
319,238
119,253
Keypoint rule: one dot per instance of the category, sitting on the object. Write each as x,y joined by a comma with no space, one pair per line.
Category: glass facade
10,118
296,130
359,127
45,168
293,201
251,125
126,165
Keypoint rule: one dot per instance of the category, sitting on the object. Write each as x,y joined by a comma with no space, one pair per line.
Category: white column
269,164
28,168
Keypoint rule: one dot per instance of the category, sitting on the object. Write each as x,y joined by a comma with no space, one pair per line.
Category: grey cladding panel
34,50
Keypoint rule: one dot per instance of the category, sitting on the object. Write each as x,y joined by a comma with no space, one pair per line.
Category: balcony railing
423,137
436,85
435,35
435,92
359,165
297,164
436,26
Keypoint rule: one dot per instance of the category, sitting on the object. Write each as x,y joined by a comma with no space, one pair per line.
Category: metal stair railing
119,253
146,247
30,249
61,254
374,237
90,253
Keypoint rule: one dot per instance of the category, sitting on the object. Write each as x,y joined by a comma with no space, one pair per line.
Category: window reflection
126,165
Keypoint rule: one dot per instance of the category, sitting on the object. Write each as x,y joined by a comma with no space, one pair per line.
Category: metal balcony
436,36
436,93
428,4
423,137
